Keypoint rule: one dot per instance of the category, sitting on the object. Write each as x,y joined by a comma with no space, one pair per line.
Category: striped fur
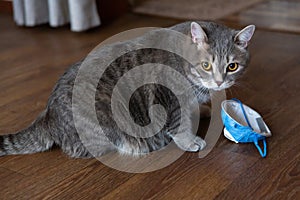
55,125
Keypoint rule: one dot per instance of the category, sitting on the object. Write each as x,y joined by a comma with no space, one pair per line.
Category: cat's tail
33,139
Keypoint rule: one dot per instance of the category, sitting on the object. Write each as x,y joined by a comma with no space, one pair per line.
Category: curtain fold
81,14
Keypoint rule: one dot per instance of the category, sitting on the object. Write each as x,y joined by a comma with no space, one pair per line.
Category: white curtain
81,14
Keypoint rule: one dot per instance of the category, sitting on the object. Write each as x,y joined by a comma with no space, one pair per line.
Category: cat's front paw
192,144
197,145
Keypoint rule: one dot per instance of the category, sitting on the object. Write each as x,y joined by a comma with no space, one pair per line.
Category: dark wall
111,9
107,9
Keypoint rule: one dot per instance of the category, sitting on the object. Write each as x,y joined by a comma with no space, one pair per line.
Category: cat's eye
232,67
206,66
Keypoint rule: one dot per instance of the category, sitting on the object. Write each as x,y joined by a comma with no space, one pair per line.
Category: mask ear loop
263,154
244,112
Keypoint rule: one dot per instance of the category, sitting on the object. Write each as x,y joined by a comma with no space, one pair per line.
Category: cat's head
223,54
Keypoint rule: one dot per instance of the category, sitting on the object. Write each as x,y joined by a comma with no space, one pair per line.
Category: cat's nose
219,83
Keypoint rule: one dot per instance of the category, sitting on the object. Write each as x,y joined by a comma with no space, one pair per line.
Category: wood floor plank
93,181
40,173
273,179
187,178
277,15
8,179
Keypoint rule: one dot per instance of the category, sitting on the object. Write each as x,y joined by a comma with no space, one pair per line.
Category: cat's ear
198,34
243,37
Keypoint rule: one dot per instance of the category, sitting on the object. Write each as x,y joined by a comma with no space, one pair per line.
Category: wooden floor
277,15
32,59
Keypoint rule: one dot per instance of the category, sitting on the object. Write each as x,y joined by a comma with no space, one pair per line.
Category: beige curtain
81,14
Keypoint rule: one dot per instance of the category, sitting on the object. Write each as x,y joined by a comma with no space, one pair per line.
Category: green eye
232,67
206,66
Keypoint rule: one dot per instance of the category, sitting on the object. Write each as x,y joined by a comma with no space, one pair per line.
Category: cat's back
211,28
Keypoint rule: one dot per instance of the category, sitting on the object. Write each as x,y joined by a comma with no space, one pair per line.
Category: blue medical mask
243,124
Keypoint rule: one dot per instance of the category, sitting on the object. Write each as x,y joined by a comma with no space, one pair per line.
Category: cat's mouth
212,86
220,87
216,86
224,86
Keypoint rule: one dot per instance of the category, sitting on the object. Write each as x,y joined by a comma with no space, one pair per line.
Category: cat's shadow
200,127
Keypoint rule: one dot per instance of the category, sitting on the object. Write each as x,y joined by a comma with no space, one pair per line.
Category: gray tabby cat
223,57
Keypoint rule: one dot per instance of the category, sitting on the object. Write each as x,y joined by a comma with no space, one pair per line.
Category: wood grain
276,15
32,59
